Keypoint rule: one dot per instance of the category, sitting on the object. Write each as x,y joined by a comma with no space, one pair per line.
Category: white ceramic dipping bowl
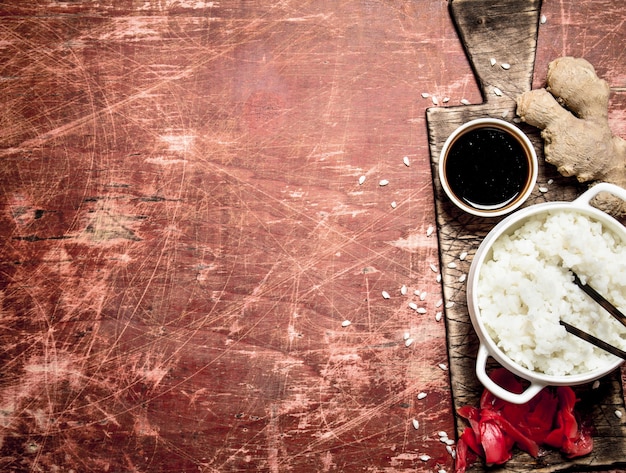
483,167
488,347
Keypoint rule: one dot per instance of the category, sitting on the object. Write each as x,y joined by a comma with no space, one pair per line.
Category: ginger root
572,112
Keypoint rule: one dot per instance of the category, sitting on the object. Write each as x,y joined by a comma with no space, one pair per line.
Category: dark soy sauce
487,168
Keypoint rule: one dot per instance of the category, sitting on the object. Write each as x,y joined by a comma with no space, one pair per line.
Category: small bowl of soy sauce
488,167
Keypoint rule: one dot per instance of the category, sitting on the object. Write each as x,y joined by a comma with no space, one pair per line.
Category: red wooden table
193,274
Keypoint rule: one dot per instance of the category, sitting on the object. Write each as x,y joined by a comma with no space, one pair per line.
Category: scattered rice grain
506,66
439,277
462,277
443,366
435,100
406,336
408,342
543,19
493,61
383,182
505,114
618,414
406,161
452,265
403,290
385,295
465,102
463,255
433,268
413,305
345,323
423,296
596,384
449,442
449,305
438,316
497,91
543,189
424,458
421,310
425,95
393,204
429,231
416,424
361,180
446,99
421,395
442,433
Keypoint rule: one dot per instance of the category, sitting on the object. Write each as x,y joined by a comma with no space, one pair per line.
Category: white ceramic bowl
487,346
520,137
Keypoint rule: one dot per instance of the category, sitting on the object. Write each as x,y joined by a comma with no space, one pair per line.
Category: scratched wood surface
183,233
517,24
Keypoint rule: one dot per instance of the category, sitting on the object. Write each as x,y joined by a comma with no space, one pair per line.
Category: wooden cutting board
505,30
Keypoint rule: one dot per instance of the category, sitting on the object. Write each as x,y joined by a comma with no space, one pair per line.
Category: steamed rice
525,287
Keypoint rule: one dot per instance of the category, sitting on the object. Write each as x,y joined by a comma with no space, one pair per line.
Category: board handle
504,30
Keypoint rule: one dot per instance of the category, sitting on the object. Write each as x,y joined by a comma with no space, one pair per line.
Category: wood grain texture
183,235
506,30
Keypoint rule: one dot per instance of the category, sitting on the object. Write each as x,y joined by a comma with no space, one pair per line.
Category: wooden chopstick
606,305
593,340
596,296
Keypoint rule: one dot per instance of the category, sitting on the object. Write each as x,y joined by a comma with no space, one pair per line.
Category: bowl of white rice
521,285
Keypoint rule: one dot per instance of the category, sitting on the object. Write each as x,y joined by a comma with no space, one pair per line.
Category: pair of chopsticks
610,308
